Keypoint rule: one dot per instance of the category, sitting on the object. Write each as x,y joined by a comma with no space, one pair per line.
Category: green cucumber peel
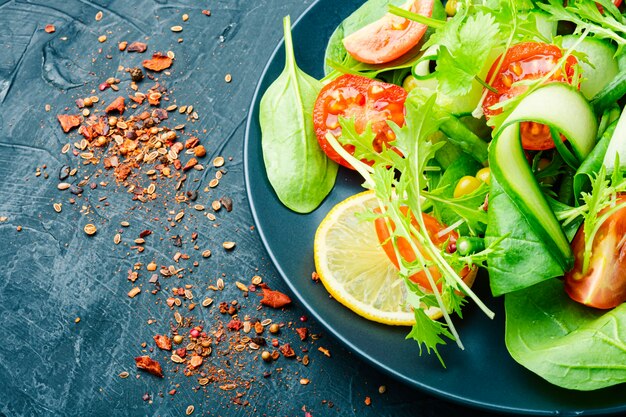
510,167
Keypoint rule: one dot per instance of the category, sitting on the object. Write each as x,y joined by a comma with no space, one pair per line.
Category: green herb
465,43
405,191
297,168
566,343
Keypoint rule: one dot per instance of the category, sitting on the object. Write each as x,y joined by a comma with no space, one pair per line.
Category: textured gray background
52,273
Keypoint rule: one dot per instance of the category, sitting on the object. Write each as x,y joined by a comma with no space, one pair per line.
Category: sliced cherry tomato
604,284
526,61
617,3
389,37
434,229
364,99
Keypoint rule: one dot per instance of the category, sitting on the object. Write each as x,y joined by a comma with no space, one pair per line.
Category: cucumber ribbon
562,108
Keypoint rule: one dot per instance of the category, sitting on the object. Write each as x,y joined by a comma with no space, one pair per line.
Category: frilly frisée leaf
296,166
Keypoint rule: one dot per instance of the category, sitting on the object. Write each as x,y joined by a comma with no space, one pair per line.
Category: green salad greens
491,133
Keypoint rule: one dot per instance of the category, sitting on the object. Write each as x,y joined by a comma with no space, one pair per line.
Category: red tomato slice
389,37
604,284
526,61
434,228
365,100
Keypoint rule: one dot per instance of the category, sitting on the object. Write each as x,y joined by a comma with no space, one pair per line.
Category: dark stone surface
52,272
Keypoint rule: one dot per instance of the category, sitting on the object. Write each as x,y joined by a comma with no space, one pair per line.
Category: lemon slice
354,268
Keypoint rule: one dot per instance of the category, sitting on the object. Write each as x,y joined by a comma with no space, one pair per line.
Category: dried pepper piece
159,62
149,365
69,121
137,47
49,29
117,105
274,299
303,332
287,351
163,342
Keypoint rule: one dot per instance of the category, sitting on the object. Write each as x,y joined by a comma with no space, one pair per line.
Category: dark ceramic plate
483,375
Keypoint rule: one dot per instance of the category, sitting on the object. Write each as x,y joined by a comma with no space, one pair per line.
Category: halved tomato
434,228
389,37
364,99
603,285
526,61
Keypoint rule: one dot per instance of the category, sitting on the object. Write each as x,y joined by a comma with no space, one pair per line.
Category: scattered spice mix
128,136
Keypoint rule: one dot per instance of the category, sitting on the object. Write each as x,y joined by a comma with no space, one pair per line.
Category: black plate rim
351,346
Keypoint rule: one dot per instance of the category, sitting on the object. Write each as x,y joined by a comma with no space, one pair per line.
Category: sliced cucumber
562,108
617,145
601,67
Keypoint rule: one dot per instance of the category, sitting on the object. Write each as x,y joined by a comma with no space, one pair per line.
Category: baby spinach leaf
566,343
524,259
296,166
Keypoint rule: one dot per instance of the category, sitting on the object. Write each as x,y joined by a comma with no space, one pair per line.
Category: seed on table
185,17
216,205
178,339
206,253
117,239
182,109
266,322
171,54
207,302
218,161
228,78
188,294
256,280
152,266
199,207
179,216
178,317
274,328
220,284
382,389
189,410
57,207
151,189
176,28
140,241
99,16
124,374
304,381
266,356
64,171
305,360
214,183
102,38
228,245
125,223
65,148
241,286
90,229
63,186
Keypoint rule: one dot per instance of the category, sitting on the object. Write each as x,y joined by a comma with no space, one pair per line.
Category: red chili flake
182,352
206,12
137,47
122,172
303,332
190,164
138,99
368,401
50,29
234,325
132,275
68,121
274,299
177,164
163,342
104,86
192,142
116,105
145,233
149,365
287,351
158,62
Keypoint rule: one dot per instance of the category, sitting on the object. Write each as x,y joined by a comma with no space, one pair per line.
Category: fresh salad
488,134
